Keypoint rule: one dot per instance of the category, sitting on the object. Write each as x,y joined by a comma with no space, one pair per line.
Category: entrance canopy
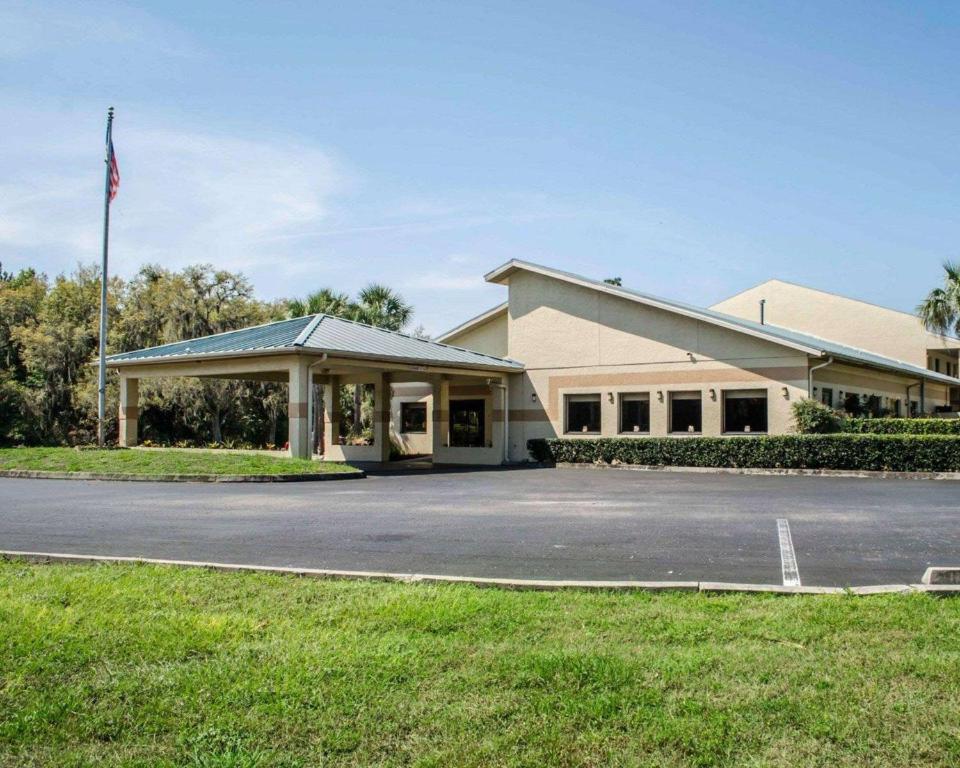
330,351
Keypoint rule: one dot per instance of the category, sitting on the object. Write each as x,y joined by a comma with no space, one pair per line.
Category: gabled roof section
319,334
336,335
811,345
473,322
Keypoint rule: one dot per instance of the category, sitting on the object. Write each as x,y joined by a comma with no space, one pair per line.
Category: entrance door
467,420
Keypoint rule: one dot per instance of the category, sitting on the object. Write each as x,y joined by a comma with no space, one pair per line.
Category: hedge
899,453
886,426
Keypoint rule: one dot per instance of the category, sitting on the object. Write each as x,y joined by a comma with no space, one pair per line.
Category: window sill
744,434
634,434
582,434
686,434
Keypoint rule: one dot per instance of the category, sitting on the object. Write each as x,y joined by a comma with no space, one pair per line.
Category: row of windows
951,368
743,411
857,404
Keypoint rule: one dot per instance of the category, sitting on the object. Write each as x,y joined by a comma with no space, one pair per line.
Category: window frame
582,397
745,394
691,395
416,405
628,397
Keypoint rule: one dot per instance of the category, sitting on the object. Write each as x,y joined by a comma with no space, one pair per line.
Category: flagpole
102,381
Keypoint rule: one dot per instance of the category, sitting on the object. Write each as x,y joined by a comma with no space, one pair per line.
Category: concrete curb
773,471
942,575
302,477
543,585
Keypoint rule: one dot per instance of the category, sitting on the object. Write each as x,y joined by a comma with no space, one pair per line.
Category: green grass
150,666
160,462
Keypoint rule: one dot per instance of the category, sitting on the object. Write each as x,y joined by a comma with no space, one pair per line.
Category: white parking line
788,558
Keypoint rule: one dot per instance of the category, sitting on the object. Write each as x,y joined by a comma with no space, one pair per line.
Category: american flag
114,171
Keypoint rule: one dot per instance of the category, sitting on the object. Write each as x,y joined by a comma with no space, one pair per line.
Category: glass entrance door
467,420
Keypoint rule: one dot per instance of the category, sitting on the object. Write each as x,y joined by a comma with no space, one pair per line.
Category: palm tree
326,301
376,305
940,311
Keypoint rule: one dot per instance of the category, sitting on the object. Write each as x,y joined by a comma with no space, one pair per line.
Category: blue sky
694,149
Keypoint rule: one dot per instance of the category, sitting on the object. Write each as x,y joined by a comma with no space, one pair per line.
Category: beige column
331,413
381,416
298,394
440,417
129,410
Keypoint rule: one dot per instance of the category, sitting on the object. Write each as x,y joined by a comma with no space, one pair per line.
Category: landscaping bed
145,665
165,464
868,452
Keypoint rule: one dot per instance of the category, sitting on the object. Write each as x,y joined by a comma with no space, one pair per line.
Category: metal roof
473,321
813,345
320,333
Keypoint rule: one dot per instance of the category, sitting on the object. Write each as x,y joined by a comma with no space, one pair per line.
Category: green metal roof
319,333
812,345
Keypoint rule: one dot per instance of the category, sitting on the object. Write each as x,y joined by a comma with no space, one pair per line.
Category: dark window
634,413
897,408
936,364
686,412
466,423
914,408
852,404
583,413
826,397
413,417
745,411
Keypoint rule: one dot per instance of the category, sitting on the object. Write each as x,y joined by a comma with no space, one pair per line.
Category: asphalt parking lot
524,523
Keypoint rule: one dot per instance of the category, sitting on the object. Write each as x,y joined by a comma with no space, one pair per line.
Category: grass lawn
160,462
149,666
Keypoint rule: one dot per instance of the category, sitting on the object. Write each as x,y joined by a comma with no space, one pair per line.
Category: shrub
901,426
812,417
899,453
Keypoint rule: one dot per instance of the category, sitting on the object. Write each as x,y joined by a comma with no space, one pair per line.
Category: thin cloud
185,196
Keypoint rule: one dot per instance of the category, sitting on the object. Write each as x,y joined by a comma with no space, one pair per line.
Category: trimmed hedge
898,453
901,426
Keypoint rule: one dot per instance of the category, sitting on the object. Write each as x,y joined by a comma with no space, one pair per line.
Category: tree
376,304
940,310
323,302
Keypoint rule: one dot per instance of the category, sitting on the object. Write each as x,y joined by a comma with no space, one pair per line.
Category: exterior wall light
533,397
786,393
713,394
610,396
660,395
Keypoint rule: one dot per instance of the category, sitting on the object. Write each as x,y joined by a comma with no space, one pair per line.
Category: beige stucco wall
415,442
489,337
885,331
575,340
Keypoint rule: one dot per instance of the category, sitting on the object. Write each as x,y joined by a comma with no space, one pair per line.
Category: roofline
473,321
839,296
499,274
311,352
212,335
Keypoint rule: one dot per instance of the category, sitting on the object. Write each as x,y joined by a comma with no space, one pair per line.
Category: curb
772,471
541,585
39,474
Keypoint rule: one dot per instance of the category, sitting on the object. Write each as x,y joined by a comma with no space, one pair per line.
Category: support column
381,416
331,415
129,411
440,416
298,409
